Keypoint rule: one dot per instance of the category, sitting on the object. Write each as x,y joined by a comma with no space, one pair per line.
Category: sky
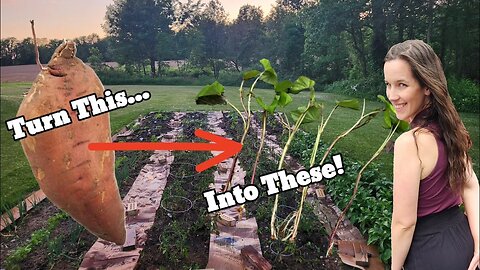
68,19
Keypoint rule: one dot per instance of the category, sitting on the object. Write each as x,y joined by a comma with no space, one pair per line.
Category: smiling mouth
399,106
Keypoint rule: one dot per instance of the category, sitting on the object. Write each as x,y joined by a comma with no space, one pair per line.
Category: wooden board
130,239
355,253
32,200
361,256
252,258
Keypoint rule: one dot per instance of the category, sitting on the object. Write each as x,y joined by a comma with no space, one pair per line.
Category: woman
433,173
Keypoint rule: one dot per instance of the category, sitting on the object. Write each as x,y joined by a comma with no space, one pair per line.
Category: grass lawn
17,179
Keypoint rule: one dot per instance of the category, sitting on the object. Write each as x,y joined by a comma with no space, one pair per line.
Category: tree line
328,40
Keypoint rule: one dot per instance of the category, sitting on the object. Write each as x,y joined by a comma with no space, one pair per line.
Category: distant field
17,179
23,73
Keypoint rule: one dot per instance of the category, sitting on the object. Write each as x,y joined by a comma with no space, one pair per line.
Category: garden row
180,241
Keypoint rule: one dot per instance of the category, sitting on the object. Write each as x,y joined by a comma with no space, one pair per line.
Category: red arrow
228,147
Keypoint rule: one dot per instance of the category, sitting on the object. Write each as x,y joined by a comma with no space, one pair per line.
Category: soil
72,240
66,255
20,73
176,240
181,240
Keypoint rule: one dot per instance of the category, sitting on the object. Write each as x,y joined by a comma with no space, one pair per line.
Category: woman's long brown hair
427,69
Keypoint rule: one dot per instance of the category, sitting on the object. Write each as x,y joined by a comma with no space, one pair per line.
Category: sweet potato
77,180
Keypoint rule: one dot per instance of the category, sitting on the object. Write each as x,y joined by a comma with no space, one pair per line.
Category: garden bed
67,243
178,239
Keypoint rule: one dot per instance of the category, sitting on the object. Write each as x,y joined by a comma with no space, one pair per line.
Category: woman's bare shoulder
418,136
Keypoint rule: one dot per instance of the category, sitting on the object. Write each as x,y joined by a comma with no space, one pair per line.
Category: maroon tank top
435,193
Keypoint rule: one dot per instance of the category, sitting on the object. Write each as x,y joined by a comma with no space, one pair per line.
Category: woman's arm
470,198
406,181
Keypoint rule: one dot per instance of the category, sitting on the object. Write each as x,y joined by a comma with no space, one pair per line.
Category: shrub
367,88
465,94
194,76
371,210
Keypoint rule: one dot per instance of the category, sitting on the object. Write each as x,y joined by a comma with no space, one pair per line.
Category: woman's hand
475,261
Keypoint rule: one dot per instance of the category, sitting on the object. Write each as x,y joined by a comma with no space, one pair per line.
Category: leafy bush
193,76
371,210
465,94
367,88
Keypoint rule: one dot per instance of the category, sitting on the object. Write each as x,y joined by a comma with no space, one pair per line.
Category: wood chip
131,209
320,193
222,168
168,136
227,220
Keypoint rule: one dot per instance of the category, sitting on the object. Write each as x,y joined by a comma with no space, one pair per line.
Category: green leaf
269,75
388,105
390,117
250,74
284,99
261,103
296,113
387,122
266,64
283,86
270,108
211,94
349,103
313,113
403,126
302,83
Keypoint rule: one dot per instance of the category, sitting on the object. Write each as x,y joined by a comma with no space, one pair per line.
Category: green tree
95,59
46,51
84,44
138,29
379,24
212,25
327,40
246,37
25,52
283,24
7,51
459,40
187,14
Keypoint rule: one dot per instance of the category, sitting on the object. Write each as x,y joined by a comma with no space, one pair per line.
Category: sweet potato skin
77,180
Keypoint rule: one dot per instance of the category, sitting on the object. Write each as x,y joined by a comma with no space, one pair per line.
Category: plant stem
243,104
313,156
280,165
238,111
285,122
262,140
357,124
37,55
355,190
305,189
245,129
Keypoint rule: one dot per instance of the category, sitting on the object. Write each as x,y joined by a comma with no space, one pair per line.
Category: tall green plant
312,112
391,122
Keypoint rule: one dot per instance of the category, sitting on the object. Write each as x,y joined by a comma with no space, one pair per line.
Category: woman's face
403,89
